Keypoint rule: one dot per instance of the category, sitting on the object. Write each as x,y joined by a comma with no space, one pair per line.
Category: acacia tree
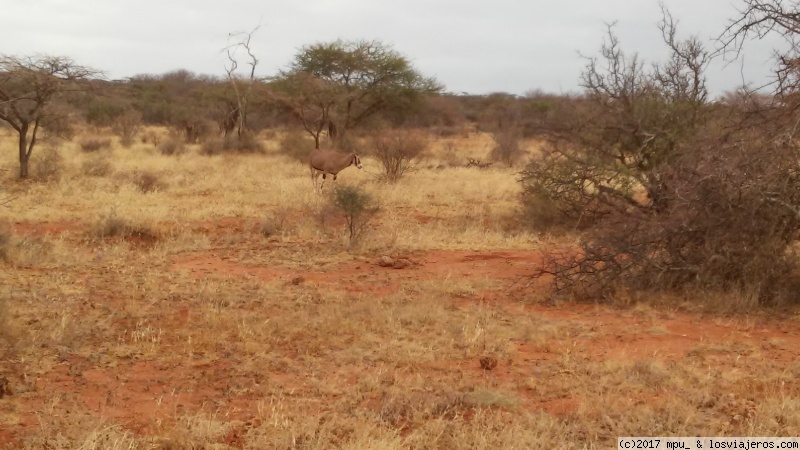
28,88
335,87
308,99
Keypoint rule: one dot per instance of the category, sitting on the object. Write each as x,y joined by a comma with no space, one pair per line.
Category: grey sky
474,46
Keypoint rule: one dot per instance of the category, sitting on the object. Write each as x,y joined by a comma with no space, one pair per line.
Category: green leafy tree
335,87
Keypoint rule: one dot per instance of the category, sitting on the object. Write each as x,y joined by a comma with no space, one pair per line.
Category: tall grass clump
246,143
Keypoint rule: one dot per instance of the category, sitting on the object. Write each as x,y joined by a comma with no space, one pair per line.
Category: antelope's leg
315,178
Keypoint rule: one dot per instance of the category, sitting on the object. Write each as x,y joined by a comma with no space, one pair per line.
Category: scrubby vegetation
169,278
398,152
671,191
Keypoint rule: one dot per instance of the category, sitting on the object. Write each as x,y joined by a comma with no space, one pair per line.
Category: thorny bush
398,152
669,191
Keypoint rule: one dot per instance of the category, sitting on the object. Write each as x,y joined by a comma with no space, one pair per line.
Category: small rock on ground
401,263
386,261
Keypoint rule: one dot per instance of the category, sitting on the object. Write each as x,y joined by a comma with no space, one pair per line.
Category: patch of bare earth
205,334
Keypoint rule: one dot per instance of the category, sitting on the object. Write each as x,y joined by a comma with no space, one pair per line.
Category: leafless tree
760,18
604,151
672,192
242,86
28,88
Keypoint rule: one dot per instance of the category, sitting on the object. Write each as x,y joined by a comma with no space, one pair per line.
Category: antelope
330,162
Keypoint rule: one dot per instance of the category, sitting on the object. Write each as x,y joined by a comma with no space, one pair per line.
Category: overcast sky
474,46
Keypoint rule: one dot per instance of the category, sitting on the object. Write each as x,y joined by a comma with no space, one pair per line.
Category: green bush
358,208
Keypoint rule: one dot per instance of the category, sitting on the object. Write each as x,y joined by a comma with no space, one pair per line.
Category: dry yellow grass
191,328
462,208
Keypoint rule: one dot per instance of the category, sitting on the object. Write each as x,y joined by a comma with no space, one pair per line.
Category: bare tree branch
239,116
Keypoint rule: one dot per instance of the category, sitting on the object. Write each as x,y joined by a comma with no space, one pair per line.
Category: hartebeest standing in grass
330,162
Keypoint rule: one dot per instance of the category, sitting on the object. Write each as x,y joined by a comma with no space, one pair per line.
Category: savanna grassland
154,301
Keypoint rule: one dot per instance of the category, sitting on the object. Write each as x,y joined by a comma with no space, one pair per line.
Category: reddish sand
138,393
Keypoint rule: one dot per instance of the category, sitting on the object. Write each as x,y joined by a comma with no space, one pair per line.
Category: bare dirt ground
143,345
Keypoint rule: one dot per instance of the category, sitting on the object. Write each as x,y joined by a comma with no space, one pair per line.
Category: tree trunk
332,130
24,155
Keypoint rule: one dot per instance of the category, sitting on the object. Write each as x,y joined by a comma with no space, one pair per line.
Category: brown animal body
324,162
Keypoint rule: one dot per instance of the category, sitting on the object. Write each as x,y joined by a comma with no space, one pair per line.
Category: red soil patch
506,265
47,228
139,393
625,335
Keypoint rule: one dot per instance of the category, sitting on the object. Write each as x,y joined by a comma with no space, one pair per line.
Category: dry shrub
270,226
477,163
246,143
692,198
18,250
215,146
296,145
277,222
398,152
507,149
126,126
197,131
97,166
6,241
172,146
728,220
48,164
94,144
450,155
151,137
148,182
111,225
